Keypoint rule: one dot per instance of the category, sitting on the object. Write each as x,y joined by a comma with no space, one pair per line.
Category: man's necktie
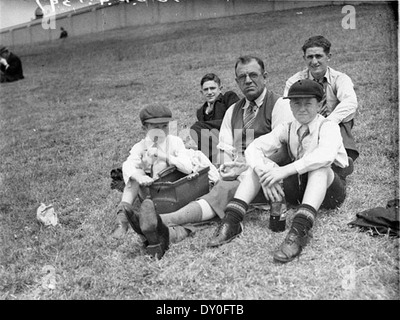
324,83
302,132
249,115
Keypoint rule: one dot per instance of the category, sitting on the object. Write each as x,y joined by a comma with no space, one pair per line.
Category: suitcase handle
193,175
166,171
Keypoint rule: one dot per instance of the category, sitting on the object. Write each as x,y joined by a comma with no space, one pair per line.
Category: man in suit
205,131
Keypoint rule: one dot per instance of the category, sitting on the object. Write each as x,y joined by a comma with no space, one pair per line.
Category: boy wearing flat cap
155,152
147,158
312,178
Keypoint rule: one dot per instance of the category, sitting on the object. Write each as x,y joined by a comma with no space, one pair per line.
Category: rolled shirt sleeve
133,164
261,148
346,109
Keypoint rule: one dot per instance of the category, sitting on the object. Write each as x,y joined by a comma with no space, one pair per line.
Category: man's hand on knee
231,170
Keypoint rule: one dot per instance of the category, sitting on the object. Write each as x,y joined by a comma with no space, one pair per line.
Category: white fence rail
107,16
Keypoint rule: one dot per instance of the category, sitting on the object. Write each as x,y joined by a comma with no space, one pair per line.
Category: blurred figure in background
10,66
63,33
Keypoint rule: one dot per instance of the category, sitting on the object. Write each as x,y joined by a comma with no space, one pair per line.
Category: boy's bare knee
321,174
130,192
131,186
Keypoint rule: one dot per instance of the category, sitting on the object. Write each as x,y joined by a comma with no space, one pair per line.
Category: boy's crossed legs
157,231
319,187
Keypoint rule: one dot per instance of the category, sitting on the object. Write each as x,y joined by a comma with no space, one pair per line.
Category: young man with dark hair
205,131
339,103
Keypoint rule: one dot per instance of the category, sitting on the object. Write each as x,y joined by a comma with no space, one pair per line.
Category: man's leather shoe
154,230
291,247
225,232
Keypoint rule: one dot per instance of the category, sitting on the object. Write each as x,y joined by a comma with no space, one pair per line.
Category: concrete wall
99,18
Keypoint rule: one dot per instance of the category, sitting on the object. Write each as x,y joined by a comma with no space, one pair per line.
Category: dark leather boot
291,247
225,232
121,223
132,217
154,230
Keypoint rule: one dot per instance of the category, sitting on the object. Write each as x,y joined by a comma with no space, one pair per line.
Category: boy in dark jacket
205,131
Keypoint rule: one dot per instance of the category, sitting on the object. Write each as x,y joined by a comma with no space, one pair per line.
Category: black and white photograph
199,155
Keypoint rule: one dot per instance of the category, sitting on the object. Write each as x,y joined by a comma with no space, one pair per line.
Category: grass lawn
75,117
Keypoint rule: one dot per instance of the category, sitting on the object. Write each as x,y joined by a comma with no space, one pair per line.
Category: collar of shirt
259,101
309,142
312,126
219,98
327,75
302,130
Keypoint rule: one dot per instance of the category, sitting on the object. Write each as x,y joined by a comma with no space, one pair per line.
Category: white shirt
340,95
323,146
200,161
280,113
138,161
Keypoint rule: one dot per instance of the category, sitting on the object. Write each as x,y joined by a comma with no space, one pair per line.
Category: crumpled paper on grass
49,280
46,215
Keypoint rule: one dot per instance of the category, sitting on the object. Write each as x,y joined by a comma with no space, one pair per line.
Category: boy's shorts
220,195
295,185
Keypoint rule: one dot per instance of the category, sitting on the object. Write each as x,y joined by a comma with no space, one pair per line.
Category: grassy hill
75,117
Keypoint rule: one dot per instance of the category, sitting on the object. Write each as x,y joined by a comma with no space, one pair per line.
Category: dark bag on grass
117,181
379,220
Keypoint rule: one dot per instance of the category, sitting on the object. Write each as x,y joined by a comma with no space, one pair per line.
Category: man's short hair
247,59
317,41
210,77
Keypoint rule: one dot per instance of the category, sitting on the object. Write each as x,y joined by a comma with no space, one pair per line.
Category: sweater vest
262,124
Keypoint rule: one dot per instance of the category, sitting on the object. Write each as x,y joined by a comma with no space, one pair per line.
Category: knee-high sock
304,218
190,213
235,210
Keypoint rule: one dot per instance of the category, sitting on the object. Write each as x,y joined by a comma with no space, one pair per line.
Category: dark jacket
223,102
212,123
14,71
